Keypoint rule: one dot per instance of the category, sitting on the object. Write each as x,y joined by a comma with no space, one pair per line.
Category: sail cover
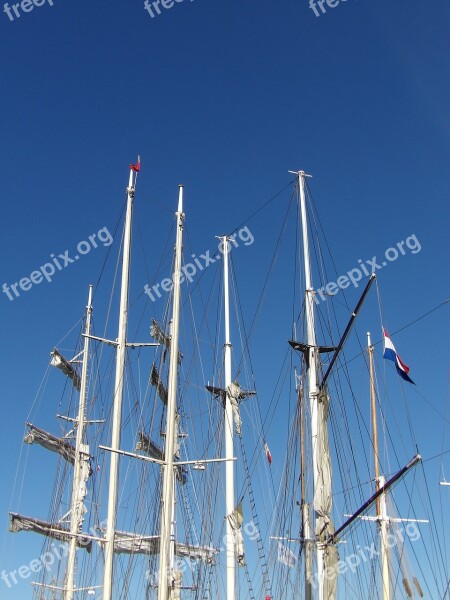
51,530
50,442
322,498
64,365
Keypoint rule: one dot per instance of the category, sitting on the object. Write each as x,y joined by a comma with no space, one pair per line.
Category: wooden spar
347,329
332,539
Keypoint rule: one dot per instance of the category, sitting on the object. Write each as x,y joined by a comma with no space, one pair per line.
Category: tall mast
81,466
165,567
382,517
373,409
118,396
312,373
229,433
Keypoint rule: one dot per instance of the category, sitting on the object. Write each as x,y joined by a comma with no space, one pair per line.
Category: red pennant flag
268,454
137,167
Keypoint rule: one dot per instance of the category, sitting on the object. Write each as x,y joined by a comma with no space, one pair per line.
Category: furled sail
177,435
134,543
236,518
177,581
204,553
323,500
158,334
50,442
217,391
146,445
52,530
236,395
64,365
155,380
81,493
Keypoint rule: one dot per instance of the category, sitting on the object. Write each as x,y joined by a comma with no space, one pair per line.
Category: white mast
382,517
118,396
311,356
81,462
229,466
165,567
306,512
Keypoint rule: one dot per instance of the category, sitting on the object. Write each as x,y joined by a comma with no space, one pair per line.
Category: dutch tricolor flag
390,353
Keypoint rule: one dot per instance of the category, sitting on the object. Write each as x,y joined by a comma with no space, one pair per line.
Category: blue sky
225,98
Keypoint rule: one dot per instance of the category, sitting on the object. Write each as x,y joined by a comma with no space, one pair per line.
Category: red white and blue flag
390,353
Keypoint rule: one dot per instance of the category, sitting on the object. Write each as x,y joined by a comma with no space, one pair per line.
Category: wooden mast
382,518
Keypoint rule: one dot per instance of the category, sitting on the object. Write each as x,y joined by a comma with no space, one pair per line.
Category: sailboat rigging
165,514
316,537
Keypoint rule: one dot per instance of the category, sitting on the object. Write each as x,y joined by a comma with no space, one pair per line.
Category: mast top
89,304
300,173
180,199
132,180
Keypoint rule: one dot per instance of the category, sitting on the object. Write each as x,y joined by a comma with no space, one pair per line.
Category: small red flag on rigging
137,166
268,455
